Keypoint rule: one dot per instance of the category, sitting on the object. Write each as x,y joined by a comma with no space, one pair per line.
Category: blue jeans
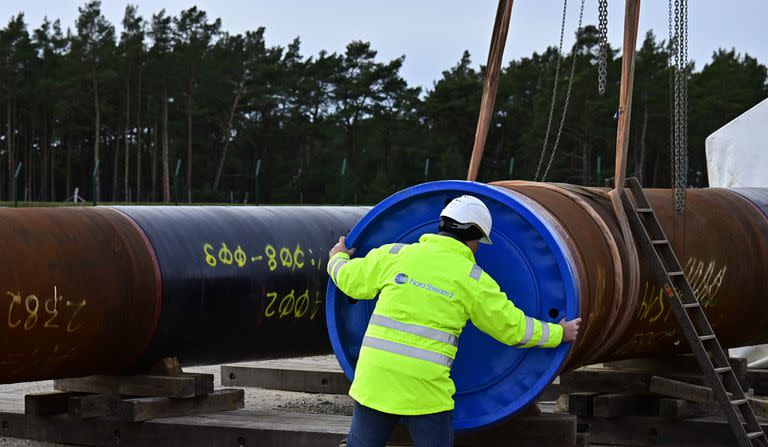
371,428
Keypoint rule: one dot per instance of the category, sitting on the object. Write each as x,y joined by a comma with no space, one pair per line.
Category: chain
554,91
672,83
676,93
684,106
679,102
567,100
602,67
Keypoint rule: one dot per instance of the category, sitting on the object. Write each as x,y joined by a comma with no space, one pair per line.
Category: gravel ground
255,399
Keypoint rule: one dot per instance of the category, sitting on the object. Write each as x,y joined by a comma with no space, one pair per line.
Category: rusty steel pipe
559,252
80,292
112,290
721,240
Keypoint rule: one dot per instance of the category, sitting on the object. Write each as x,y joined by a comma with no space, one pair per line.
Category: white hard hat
471,211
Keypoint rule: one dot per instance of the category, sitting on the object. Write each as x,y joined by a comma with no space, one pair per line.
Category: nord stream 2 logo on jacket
427,291
402,278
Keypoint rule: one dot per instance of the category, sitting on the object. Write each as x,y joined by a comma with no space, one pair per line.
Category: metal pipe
559,251
721,240
109,290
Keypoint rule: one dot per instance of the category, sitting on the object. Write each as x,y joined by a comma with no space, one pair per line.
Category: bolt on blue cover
529,261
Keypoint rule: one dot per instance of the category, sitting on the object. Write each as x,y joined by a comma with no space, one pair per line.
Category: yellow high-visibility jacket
427,292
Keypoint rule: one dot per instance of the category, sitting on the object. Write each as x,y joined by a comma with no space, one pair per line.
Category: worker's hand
341,247
570,329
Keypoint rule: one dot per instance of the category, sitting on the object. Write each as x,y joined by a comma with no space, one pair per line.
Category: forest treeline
137,98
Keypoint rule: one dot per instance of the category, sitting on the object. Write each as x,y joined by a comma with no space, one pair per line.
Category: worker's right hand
570,329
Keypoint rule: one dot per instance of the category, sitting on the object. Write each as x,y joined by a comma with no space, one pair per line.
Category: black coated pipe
241,283
113,290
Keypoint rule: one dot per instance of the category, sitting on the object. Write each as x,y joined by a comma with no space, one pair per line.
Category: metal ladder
717,371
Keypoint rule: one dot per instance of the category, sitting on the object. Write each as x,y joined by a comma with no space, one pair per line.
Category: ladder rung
739,402
644,210
675,273
660,242
723,369
706,337
690,305
755,434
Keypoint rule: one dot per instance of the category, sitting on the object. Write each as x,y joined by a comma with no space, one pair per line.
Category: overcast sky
432,34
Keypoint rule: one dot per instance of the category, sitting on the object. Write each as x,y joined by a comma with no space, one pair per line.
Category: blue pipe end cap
529,261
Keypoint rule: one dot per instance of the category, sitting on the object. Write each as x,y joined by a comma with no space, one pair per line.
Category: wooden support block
203,382
146,408
231,428
287,376
758,380
616,405
700,394
581,404
548,429
660,432
186,385
93,405
45,404
604,380
682,390
684,409
686,364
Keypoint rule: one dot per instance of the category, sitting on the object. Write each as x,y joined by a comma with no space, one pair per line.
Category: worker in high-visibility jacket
427,291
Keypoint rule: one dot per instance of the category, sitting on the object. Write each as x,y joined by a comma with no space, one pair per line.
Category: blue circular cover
527,259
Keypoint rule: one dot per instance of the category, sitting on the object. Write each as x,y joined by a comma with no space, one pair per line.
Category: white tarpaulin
737,156
737,153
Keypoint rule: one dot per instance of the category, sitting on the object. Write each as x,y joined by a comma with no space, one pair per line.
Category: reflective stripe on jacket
427,291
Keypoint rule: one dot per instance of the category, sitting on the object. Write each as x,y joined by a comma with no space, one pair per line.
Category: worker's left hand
341,247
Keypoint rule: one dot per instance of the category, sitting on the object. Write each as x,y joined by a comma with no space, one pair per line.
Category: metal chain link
567,99
679,99
672,83
602,57
684,106
554,91
676,93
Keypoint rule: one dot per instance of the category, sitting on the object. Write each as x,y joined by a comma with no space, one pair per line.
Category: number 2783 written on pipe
290,258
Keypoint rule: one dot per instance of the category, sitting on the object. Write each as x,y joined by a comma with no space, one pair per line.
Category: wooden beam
616,405
603,380
682,390
631,17
581,404
699,394
305,377
186,385
146,408
240,427
548,429
490,85
684,409
45,404
758,379
659,431
93,405
674,365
